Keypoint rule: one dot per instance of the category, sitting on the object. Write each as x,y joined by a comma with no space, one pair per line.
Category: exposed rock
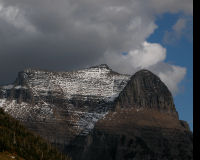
146,90
151,144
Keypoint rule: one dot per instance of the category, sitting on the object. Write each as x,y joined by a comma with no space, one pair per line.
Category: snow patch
25,110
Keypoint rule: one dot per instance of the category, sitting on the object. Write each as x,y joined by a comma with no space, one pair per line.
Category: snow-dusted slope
78,98
26,111
98,82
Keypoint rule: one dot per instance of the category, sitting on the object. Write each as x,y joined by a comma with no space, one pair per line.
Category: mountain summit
146,90
96,113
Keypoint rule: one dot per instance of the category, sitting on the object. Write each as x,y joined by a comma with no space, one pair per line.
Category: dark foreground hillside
19,143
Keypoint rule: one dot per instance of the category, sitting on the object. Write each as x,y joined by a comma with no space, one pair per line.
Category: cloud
68,34
172,6
13,16
172,77
180,25
149,56
182,28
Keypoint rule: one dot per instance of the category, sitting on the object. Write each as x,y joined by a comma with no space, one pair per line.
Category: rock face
146,90
96,113
145,143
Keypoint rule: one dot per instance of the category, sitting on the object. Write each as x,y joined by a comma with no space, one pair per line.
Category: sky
127,35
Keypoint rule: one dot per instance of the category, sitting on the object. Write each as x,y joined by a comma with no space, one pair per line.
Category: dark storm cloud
68,34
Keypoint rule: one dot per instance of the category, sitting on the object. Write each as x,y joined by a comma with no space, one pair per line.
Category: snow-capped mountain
79,97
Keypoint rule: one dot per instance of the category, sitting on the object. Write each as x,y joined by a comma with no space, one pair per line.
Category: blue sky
180,52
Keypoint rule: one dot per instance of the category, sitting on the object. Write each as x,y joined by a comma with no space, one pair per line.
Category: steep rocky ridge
96,111
146,90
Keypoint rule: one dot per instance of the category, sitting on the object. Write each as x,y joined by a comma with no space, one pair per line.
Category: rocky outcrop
146,90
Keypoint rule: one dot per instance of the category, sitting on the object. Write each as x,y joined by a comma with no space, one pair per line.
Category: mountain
96,113
61,105
144,125
16,142
146,90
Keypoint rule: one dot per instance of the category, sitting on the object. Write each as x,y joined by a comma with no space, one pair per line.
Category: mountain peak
101,66
146,90
143,71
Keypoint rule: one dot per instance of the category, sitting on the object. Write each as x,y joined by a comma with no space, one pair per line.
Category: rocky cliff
96,113
146,90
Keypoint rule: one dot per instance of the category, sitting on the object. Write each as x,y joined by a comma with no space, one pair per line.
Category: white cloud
182,28
149,56
179,25
173,77
13,16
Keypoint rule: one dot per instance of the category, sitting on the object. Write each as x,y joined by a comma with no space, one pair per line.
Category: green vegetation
15,139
